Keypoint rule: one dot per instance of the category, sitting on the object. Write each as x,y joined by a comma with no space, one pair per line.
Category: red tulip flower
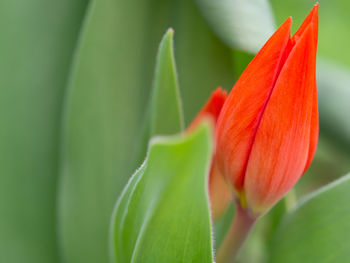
267,130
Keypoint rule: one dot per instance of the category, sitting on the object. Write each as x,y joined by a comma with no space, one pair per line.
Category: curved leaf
105,107
166,111
164,115
318,230
101,121
163,214
37,42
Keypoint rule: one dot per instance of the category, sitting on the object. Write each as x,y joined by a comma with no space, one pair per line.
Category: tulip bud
218,191
267,131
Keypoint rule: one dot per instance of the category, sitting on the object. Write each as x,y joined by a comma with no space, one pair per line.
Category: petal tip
315,9
288,22
221,93
211,109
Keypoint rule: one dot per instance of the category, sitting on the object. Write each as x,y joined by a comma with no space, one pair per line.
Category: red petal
211,109
312,18
242,110
281,147
219,192
218,189
313,131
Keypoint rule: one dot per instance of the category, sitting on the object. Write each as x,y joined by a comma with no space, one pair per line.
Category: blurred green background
75,82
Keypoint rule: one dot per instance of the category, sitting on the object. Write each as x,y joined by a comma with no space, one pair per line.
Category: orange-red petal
218,189
242,111
219,192
313,131
211,109
313,19
282,143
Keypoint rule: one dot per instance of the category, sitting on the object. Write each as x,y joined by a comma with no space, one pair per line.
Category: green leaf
105,107
318,230
164,116
37,42
163,214
100,125
166,111
241,24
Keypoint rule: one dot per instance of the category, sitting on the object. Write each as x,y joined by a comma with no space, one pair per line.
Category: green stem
236,236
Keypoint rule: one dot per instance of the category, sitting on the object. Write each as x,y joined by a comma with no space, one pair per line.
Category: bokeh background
75,80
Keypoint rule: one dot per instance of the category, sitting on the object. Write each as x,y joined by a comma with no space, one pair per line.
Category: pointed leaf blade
166,113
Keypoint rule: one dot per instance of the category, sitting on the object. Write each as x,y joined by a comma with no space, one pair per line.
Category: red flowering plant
221,145
266,131
227,143
245,150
